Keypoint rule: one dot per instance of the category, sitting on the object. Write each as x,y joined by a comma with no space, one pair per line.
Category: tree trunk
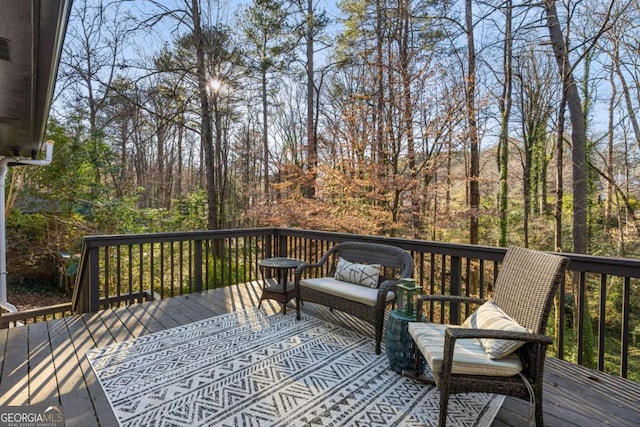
265,137
161,136
206,134
379,108
608,210
312,143
179,174
578,131
407,113
505,113
627,96
219,162
559,175
474,173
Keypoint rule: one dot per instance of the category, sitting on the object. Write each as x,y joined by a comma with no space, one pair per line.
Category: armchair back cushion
490,316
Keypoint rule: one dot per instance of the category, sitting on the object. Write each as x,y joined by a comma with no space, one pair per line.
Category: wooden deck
45,363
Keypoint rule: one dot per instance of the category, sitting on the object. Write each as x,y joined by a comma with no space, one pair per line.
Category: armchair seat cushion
345,290
469,357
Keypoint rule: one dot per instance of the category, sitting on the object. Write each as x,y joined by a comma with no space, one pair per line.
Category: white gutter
4,166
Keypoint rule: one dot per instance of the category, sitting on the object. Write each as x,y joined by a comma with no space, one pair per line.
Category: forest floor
25,298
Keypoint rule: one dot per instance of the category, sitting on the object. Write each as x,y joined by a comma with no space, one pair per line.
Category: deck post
94,280
283,250
267,249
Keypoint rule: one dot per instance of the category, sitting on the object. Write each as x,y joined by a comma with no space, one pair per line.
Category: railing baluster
161,261
432,283
141,273
561,321
172,268
118,272
469,285
420,267
181,269
197,261
624,339
454,288
152,273
601,321
244,261
443,275
581,304
237,263
191,266
106,275
130,272
481,279
227,278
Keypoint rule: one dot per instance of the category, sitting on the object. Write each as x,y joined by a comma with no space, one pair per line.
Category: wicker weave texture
396,264
526,284
524,289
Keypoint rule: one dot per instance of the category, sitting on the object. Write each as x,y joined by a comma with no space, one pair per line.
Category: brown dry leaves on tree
346,203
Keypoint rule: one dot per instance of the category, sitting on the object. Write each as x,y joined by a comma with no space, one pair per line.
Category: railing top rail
132,239
626,267
464,250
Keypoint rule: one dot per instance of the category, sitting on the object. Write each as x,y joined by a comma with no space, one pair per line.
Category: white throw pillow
360,274
490,316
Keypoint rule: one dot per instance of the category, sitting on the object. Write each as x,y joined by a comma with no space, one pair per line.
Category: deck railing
594,306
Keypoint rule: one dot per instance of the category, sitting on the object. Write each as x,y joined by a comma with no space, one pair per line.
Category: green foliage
70,179
611,354
121,216
190,212
589,352
31,257
62,202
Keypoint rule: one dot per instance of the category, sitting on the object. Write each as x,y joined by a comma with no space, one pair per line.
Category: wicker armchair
395,264
524,290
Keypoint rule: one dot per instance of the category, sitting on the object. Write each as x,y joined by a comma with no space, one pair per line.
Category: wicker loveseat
342,280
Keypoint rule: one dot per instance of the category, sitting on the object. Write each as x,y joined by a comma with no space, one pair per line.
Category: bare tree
559,42
505,103
474,142
93,49
267,46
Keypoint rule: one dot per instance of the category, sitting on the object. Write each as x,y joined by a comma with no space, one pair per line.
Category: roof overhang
31,37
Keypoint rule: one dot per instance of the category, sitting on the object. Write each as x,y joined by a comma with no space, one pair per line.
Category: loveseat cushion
469,356
360,274
490,316
345,290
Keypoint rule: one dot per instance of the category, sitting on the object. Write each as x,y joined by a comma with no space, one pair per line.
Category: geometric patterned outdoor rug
251,369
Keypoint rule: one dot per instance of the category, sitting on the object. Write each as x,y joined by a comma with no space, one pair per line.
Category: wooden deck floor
45,363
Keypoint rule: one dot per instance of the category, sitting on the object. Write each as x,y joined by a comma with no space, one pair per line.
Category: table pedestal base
398,344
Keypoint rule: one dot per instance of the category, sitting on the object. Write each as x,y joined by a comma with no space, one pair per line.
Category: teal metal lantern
406,292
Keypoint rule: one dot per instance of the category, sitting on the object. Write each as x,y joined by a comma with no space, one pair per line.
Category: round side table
399,345
282,290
